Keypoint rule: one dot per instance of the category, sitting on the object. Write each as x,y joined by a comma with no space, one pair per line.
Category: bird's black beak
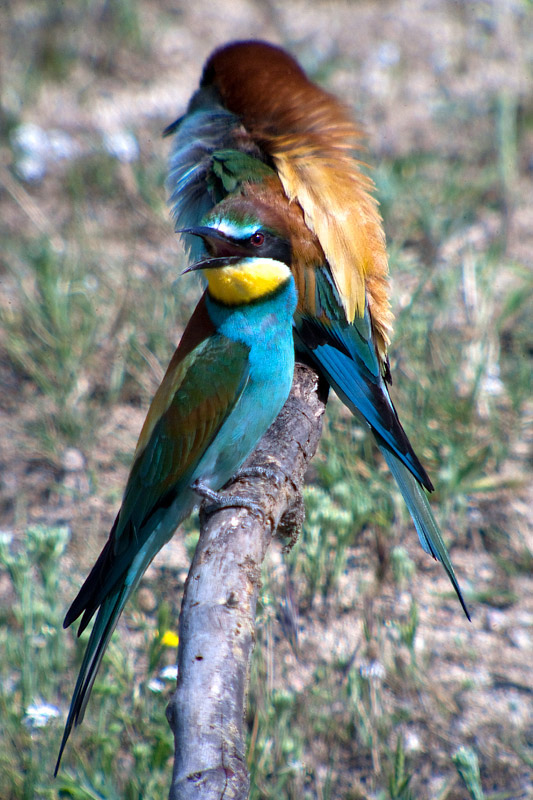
222,251
212,263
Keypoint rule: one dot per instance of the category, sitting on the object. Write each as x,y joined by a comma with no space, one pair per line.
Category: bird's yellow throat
246,281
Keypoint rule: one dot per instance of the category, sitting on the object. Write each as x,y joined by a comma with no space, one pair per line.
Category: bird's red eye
257,239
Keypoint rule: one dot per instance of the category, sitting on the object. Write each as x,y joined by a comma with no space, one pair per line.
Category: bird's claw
270,474
220,500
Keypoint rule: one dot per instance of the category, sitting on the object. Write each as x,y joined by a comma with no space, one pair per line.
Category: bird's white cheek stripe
232,231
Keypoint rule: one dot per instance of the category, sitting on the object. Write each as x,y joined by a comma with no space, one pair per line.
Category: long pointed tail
425,523
104,625
346,356
103,628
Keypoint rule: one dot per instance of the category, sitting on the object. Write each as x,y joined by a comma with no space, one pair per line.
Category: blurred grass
88,320
35,653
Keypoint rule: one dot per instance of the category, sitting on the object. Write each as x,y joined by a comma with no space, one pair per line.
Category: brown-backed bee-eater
225,385
258,133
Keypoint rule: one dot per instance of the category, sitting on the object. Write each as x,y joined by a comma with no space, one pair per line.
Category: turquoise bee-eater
258,131
224,386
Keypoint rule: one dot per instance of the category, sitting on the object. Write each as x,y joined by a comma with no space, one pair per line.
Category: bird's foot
274,475
220,500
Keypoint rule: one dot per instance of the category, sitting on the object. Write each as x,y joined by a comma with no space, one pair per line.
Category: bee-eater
258,131
225,385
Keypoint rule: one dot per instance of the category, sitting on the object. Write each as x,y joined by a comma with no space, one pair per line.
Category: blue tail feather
424,521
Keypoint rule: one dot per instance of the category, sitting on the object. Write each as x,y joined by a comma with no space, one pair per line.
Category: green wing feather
233,167
205,387
192,403
195,398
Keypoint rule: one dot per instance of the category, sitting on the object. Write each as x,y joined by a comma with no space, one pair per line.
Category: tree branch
217,620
